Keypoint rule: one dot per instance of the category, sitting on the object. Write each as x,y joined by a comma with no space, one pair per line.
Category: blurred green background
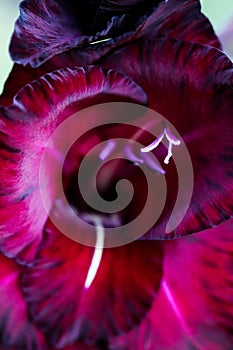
219,12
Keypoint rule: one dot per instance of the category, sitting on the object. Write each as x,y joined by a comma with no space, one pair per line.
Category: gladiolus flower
156,292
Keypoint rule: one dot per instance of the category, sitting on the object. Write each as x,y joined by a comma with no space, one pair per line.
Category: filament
95,263
107,150
100,41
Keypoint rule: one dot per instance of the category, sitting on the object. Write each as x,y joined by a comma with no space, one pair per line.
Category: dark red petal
122,292
185,23
79,346
25,129
17,79
35,44
194,307
16,329
190,85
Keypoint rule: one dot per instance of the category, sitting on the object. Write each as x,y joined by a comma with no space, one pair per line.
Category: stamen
152,164
107,150
131,156
171,139
100,41
154,144
169,153
146,159
95,263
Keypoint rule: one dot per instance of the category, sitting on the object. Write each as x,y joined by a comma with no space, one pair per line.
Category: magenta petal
25,128
158,330
203,263
16,329
119,297
114,23
194,308
191,86
78,346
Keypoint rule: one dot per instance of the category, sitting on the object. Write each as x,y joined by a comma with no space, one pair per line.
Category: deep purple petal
121,293
25,129
65,25
45,28
177,19
191,86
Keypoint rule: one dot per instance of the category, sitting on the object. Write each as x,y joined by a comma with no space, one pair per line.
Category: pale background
218,11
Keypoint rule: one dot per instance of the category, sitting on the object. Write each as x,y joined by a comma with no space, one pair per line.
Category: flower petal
194,307
17,79
121,293
78,346
177,19
25,129
205,262
114,23
66,26
191,86
16,329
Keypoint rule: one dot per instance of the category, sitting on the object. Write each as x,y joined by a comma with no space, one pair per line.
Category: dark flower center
94,16
104,182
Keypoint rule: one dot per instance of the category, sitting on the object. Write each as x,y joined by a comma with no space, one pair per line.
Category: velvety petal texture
25,129
205,263
149,294
177,19
18,78
113,23
191,86
17,331
119,297
194,307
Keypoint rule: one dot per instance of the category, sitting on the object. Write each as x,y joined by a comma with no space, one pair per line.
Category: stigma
171,139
